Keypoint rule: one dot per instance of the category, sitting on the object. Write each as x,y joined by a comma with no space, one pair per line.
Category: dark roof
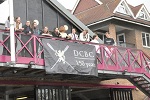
84,6
106,10
97,13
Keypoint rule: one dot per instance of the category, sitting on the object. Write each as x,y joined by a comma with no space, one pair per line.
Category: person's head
95,37
62,29
34,24
85,32
8,18
45,30
73,30
28,23
56,30
18,20
107,34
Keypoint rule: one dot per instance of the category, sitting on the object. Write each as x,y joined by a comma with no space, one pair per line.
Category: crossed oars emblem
60,54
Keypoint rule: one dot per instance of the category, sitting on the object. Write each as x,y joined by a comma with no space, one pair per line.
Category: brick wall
137,94
112,31
130,37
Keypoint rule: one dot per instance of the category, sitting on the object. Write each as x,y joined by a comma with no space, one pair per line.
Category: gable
143,13
123,8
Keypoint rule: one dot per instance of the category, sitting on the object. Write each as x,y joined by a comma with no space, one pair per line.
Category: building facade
127,24
27,78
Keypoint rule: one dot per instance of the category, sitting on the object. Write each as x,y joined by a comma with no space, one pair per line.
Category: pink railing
110,58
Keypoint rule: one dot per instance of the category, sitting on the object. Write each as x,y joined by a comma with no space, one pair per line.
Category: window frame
146,44
121,6
145,16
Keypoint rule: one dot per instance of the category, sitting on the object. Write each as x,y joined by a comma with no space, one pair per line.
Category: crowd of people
32,28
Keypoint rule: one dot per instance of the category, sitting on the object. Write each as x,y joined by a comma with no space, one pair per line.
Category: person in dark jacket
56,33
108,40
36,31
26,35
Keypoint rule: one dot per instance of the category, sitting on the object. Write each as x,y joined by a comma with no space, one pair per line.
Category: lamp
124,72
31,63
21,98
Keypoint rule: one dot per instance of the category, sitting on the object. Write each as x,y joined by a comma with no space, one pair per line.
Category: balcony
112,58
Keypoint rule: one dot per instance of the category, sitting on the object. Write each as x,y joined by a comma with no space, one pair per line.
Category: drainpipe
12,36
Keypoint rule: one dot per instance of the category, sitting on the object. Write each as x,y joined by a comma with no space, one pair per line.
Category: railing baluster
34,48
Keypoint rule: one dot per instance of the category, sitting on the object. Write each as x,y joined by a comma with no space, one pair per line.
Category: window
121,40
101,36
146,39
122,9
143,15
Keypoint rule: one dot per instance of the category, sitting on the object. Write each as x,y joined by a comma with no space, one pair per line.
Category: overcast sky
70,3
4,8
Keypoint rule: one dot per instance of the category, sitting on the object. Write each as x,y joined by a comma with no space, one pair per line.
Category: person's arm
114,42
69,36
88,37
20,26
7,26
77,37
81,37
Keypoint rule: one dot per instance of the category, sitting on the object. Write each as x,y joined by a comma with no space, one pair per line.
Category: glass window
101,35
143,38
143,15
146,39
122,9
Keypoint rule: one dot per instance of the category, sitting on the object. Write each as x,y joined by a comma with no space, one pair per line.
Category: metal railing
111,58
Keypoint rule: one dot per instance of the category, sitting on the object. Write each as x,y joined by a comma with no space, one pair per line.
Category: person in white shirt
18,24
73,35
62,32
95,40
5,35
84,36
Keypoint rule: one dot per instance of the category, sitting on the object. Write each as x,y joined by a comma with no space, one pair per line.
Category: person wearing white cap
35,29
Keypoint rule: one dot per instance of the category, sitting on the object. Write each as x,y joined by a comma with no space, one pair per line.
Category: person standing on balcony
73,35
26,35
5,35
18,24
84,36
35,31
46,32
56,33
63,33
108,40
95,40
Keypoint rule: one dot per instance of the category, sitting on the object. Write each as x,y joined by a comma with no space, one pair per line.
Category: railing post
116,58
129,59
102,55
34,48
141,59
12,36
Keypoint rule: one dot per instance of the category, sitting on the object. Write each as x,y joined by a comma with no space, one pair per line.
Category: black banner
69,58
